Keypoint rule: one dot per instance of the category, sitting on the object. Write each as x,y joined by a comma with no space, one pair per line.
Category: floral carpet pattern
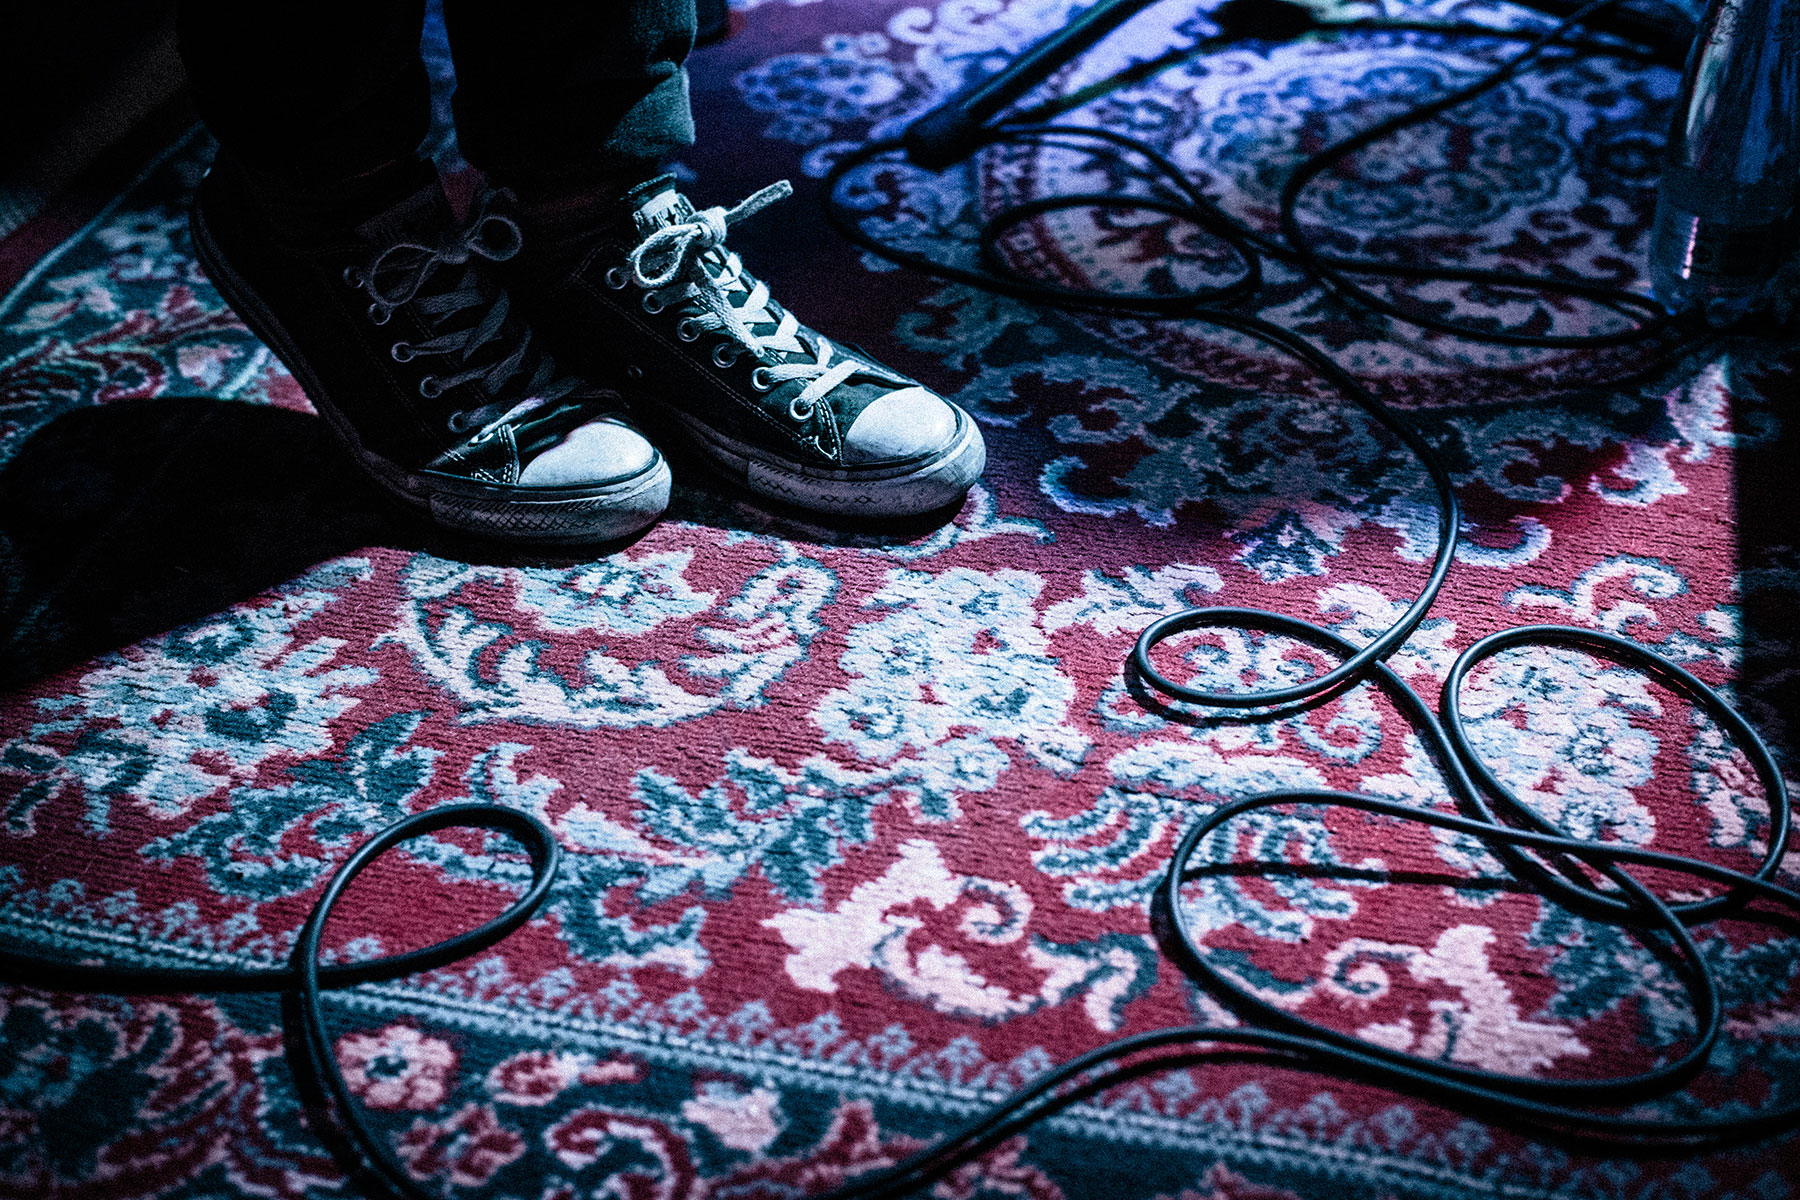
862,824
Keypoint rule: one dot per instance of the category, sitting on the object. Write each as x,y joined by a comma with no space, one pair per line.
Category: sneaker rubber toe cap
909,423
600,452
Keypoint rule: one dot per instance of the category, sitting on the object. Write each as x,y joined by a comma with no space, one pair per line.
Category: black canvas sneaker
407,345
653,303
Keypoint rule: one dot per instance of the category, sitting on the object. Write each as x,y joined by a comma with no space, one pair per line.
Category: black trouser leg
313,98
556,93
306,94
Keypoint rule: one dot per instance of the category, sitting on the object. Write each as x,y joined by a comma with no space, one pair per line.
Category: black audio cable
1533,849
307,978
1204,304
1556,1107
1552,1106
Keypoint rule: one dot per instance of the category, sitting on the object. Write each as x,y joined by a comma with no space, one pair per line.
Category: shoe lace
403,274
687,263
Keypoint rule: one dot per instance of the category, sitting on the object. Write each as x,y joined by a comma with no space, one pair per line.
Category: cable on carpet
1554,1106
309,979
1532,848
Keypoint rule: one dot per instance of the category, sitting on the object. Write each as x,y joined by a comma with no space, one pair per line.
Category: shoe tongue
655,204
426,212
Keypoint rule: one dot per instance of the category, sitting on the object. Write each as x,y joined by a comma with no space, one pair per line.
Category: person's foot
405,342
648,299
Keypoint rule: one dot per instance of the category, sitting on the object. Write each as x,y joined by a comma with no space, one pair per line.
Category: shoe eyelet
400,352
688,330
798,413
431,387
652,303
616,278
759,379
634,372
352,277
379,315
724,356
458,422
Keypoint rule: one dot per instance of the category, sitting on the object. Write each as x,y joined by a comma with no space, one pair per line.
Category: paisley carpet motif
862,824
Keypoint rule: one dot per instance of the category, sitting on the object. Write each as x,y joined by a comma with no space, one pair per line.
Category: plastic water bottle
1725,209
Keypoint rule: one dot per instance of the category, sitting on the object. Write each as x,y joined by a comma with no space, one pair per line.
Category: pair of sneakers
426,345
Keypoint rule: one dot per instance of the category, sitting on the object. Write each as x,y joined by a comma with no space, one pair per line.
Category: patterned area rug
862,824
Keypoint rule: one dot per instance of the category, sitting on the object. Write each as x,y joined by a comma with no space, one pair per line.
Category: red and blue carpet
862,825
